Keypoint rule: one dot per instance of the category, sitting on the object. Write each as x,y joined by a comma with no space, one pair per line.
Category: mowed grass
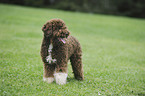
113,53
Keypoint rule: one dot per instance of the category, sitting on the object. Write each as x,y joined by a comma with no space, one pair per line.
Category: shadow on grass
141,94
71,79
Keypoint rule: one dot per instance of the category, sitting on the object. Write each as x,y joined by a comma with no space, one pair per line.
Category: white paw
60,78
48,80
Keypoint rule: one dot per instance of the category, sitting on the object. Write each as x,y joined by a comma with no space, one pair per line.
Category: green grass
113,53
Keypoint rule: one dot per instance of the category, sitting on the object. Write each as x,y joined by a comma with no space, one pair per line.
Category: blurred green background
132,8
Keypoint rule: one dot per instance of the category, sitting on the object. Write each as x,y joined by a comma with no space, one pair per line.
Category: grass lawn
113,53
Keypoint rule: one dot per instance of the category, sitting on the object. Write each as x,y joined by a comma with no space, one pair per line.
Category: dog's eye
67,33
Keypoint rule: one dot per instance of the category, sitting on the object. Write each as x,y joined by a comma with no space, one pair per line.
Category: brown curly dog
56,49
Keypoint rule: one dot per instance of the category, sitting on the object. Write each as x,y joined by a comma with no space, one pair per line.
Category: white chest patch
49,57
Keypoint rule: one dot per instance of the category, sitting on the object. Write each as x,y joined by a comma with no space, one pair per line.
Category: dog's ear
47,29
44,28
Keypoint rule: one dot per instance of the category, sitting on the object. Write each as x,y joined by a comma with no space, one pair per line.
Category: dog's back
73,46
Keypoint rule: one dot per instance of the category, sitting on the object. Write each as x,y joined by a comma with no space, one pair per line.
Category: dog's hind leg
48,73
76,62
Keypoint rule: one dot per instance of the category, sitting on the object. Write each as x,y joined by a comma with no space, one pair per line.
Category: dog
57,48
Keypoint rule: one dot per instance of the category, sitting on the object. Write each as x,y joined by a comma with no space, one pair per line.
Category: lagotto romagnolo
57,48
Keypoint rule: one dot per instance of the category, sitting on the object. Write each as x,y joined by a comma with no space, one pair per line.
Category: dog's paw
48,80
61,78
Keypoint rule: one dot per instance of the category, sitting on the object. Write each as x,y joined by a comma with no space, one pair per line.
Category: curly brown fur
65,47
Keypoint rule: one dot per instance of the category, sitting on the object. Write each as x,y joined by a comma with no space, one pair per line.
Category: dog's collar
62,40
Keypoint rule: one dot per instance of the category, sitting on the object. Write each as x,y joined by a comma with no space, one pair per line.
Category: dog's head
56,29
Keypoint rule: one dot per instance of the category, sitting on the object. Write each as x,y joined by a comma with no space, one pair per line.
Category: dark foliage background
132,8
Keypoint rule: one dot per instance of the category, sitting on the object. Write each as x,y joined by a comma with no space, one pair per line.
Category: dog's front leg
61,68
48,73
61,73
61,78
